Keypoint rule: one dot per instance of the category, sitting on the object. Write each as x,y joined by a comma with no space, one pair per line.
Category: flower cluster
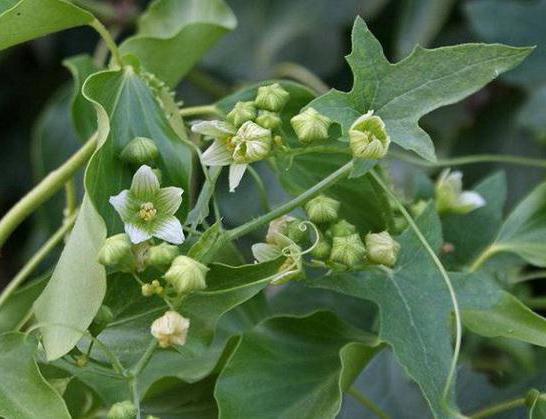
247,135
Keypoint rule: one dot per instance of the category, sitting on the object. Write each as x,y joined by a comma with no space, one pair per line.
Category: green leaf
208,244
420,22
24,20
402,93
76,289
524,231
24,393
83,112
538,409
127,109
298,367
174,34
532,112
18,306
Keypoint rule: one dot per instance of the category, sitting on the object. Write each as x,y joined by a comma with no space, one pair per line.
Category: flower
277,230
148,210
186,275
272,97
170,329
368,137
382,248
242,112
322,209
450,197
250,143
311,126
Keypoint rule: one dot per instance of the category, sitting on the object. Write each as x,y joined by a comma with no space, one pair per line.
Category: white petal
217,155
214,129
471,200
136,234
145,183
122,204
168,200
236,172
170,230
263,252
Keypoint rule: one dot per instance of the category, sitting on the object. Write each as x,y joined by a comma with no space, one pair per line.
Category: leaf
402,93
471,233
24,393
538,409
19,304
83,112
24,20
174,34
201,209
297,367
524,231
208,244
127,109
77,286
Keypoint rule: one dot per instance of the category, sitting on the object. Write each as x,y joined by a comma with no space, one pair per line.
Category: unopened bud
348,251
147,290
382,248
322,209
186,275
297,231
278,228
342,229
139,151
368,137
311,126
170,329
272,97
252,143
241,112
322,249
162,255
122,410
82,361
117,252
269,120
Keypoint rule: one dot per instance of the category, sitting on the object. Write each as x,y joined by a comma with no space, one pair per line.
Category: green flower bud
450,197
322,209
147,290
241,112
122,410
139,151
323,248
382,248
117,252
272,97
297,232
368,137
162,254
418,208
311,126
251,143
269,120
342,229
82,361
348,251
186,275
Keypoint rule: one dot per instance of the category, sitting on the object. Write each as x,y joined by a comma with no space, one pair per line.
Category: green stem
367,403
498,408
133,386
536,303
44,190
531,275
103,10
445,276
303,75
261,188
35,260
317,149
108,40
144,359
479,158
290,205
483,257
200,110
71,205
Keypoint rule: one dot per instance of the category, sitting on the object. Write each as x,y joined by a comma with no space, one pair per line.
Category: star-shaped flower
148,210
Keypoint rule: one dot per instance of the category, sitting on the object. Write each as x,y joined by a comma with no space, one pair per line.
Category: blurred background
508,116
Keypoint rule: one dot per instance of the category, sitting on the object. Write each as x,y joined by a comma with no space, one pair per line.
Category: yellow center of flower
147,211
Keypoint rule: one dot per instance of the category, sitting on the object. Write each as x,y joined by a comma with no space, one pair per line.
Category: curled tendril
293,250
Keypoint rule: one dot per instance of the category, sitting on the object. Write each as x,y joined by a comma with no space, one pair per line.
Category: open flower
450,197
148,210
234,148
170,329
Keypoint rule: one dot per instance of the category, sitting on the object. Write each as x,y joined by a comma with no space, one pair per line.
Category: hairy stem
367,403
200,110
445,276
498,408
35,260
303,75
44,190
328,181
143,361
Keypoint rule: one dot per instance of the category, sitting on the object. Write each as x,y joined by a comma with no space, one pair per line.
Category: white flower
170,329
148,210
450,197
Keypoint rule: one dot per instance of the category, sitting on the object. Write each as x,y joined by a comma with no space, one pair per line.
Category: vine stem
143,361
367,403
302,75
108,40
498,408
479,158
328,181
199,110
445,276
44,190
35,260
484,256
